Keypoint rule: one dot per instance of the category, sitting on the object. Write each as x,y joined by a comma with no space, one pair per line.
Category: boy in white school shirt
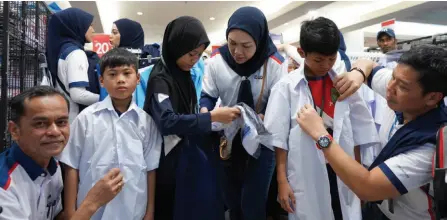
30,176
308,186
114,133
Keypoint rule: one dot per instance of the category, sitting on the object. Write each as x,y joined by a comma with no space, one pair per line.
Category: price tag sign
101,44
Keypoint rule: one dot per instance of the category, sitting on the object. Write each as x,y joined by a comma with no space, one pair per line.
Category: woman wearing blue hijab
127,33
245,70
68,31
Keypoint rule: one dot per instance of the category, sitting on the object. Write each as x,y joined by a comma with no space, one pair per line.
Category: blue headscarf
66,28
132,34
342,52
252,21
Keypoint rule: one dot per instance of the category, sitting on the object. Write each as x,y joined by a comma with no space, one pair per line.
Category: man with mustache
30,176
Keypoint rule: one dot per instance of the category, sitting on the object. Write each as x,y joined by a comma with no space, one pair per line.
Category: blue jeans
246,192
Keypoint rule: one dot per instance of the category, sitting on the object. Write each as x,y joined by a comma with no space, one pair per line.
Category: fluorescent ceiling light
212,18
139,13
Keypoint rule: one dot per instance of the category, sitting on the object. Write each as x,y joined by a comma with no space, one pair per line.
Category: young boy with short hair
114,133
307,184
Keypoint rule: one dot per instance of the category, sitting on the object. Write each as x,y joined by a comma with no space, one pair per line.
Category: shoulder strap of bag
264,75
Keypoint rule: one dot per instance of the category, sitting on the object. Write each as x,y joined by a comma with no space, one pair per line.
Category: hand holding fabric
311,122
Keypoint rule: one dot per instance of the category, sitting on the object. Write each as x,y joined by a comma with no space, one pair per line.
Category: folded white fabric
252,130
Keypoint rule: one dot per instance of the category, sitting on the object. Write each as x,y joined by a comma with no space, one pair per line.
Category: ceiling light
139,13
212,18
286,24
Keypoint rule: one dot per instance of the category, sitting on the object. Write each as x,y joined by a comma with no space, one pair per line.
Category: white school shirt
220,81
72,71
26,190
407,171
306,165
101,140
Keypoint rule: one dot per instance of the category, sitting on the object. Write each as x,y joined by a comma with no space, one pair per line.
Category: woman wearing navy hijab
187,185
245,70
68,31
127,33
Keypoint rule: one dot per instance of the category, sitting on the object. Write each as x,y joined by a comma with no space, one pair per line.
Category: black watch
324,141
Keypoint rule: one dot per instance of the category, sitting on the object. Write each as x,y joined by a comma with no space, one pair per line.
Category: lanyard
322,97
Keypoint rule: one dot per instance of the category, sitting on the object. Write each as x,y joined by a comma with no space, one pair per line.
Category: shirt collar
107,104
31,167
299,76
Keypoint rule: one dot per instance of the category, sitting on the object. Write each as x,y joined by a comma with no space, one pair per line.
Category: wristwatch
324,141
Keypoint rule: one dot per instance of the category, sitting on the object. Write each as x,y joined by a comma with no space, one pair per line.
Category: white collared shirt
101,140
306,167
27,191
220,81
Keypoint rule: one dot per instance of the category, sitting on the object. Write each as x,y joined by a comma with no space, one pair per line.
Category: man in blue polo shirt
30,177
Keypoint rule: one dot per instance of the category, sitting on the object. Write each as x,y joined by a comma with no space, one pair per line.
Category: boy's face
318,64
120,82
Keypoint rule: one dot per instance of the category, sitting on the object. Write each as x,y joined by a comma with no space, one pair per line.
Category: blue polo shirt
28,191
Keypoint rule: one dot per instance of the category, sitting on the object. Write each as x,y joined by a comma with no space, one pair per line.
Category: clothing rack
353,56
138,53
437,39
23,30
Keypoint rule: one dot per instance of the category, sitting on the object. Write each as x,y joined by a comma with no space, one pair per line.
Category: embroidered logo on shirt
334,94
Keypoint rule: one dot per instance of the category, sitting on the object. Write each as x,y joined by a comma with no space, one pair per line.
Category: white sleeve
209,84
410,170
277,116
82,96
12,210
277,72
339,65
71,155
292,52
380,79
154,142
77,68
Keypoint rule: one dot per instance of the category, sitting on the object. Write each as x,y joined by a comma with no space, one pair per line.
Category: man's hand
348,83
311,122
261,116
225,114
286,197
106,188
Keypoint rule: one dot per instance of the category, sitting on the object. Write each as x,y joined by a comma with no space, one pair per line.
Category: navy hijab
66,28
252,21
132,34
342,52
181,36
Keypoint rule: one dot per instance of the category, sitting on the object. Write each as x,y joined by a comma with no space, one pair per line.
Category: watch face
324,142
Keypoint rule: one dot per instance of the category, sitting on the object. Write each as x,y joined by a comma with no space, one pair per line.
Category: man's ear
14,130
434,98
301,52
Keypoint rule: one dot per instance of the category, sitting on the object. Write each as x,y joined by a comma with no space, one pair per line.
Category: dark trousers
246,183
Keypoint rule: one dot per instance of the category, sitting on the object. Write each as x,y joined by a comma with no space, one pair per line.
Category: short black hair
118,57
430,62
17,103
320,35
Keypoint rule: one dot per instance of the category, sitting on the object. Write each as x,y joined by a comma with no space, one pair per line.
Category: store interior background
359,21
